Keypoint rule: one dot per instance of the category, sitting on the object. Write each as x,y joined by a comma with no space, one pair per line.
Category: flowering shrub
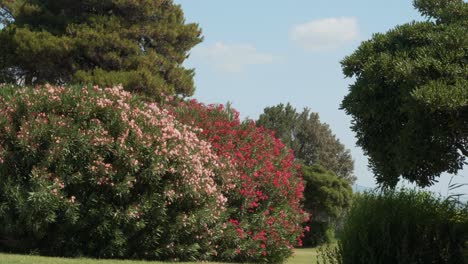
264,197
98,172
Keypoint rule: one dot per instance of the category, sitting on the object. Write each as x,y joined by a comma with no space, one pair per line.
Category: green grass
301,256
26,259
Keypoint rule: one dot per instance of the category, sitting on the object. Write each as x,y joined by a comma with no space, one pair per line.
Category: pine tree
140,44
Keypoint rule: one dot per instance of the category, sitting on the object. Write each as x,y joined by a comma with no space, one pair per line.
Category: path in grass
301,256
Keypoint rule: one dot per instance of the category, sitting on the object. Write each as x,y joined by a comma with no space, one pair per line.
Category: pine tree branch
5,15
463,150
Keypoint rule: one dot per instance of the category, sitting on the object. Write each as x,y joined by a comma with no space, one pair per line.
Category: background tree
327,197
140,44
409,100
327,167
312,141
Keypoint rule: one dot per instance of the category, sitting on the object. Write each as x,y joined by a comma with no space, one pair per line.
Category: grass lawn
303,255
25,259
300,256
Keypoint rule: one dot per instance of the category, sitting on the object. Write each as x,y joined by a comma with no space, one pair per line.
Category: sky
259,53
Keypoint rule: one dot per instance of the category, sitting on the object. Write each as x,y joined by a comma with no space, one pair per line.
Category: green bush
327,197
320,233
404,226
98,172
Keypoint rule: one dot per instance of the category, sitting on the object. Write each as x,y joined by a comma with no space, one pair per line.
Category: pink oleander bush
99,172
264,196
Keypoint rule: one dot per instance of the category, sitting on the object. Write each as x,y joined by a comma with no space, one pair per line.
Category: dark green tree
409,100
325,193
312,141
140,44
327,197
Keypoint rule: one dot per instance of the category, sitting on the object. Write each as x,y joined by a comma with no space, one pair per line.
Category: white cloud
326,34
232,57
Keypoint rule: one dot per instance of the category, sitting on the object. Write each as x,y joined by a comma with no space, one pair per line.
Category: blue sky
259,53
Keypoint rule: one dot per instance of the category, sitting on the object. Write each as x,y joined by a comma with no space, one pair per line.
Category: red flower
234,222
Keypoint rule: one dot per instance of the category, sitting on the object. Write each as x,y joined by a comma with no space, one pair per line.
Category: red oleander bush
264,196
98,172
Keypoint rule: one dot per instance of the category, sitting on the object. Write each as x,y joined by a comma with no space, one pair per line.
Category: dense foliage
404,226
97,172
312,141
140,44
409,100
327,198
100,172
264,201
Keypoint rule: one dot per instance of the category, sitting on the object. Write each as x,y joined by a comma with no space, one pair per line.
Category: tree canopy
327,198
312,141
139,44
409,98
326,195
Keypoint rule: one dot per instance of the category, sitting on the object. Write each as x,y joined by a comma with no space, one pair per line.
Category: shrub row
102,173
